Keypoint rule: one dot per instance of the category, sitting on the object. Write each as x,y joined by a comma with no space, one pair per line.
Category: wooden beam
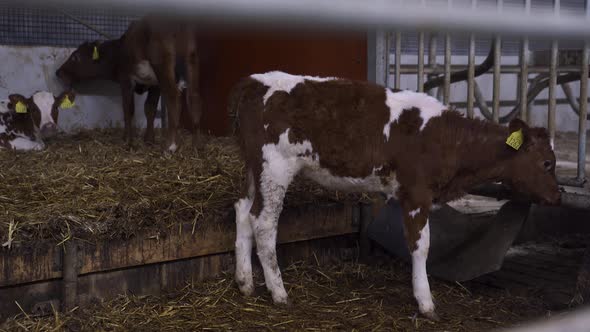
296,224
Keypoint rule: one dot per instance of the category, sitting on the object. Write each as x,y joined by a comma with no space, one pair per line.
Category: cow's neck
482,157
111,52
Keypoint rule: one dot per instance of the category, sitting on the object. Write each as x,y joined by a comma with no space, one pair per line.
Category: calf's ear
66,99
519,134
18,103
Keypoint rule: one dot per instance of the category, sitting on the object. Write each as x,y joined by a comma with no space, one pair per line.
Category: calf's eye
548,165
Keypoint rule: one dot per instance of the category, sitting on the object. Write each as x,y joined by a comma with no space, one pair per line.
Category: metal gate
538,68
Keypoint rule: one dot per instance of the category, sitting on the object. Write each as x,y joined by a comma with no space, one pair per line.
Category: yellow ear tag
66,103
95,55
515,139
20,107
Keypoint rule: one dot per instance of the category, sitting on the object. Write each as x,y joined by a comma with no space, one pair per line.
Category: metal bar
471,71
349,14
471,77
496,87
398,59
380,49
421,62
447,84
505,69
552,83
512,103
432,56
551,92
524,73
583,107
387,54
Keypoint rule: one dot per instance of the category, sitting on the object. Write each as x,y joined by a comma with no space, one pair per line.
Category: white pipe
347,14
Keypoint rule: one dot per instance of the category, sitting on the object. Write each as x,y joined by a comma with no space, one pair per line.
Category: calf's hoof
247,289
281,299
431,315
171,148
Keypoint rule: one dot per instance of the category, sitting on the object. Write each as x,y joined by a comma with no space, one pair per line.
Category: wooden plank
296,224
154,279
29,264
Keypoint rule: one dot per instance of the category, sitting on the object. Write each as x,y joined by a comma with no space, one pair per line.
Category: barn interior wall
29,69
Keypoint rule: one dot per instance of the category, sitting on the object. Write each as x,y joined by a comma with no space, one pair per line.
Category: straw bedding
343,297
92,186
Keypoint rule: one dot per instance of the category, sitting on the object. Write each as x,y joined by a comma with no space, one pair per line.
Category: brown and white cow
154,54
357,136
24,122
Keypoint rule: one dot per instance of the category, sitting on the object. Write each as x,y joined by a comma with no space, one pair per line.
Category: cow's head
88,62
40,112
532,169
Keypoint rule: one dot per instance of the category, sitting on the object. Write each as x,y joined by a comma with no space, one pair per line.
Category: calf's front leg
417,233
150,107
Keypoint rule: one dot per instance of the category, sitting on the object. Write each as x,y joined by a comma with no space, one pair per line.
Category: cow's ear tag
20,107
66,102
515,139
95,55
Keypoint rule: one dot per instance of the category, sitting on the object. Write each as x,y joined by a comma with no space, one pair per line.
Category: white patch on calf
413,213
280,81
25,144
399,101
419,277
144,74
266,126
284,159
181,85
44,101
3,106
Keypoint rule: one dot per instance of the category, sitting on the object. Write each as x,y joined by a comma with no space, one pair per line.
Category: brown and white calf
357,136
24,122
154,54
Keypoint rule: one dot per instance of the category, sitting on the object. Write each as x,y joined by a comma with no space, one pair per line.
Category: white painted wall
25,70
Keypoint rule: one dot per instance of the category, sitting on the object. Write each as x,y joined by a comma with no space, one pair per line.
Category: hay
91,186
345,296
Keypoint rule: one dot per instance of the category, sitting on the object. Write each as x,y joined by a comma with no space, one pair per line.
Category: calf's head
87,62
40,111
531,170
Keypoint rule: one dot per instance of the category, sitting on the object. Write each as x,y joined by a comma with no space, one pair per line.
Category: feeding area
355,172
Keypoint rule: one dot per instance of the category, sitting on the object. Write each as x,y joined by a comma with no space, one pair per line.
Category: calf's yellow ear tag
515,139
95,55
66,103
20,107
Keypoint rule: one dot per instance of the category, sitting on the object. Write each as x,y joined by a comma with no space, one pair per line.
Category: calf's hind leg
275,178
244,239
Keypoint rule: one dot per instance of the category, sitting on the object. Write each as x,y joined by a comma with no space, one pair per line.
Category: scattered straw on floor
90,185
345,296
